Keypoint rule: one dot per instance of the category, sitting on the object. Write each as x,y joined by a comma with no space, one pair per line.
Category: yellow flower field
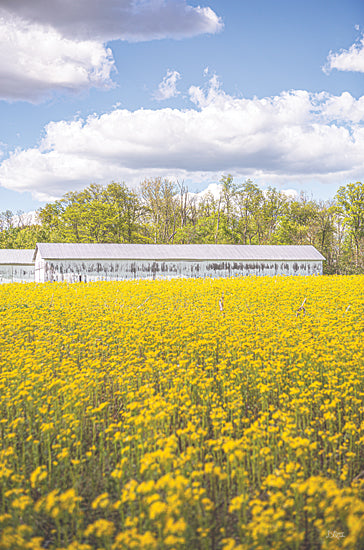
185,414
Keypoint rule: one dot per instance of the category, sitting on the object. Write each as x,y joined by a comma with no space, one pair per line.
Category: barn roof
19,256
96,251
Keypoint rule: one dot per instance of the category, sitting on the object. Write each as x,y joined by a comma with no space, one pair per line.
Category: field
194,414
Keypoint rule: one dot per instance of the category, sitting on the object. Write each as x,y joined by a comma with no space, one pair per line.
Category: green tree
161,206
249,199
271,210
350,202
296,223
95,214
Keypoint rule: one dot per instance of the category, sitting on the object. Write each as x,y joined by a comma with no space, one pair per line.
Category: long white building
104,262
16,265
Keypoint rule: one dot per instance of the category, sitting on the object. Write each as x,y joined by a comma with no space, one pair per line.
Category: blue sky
124,90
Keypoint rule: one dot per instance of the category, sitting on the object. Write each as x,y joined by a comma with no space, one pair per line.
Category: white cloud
35,60
293,137
347,60
168,87
106,20
344,109
213,189
49,46
25,219
290,193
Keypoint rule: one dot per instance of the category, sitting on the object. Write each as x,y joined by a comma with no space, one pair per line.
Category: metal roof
221,252
18,256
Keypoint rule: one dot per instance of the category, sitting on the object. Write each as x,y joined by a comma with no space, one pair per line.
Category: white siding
106,270
16,273
39,269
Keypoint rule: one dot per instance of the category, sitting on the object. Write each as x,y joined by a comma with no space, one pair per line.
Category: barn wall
16,273
101,270
39,269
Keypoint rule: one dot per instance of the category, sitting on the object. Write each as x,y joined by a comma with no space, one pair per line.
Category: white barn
16,265
104,262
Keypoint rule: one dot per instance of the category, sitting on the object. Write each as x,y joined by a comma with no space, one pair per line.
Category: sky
94,91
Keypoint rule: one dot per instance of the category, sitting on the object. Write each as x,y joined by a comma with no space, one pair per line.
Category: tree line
163,211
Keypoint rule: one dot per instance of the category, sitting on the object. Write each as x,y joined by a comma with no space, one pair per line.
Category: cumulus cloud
291,137
35,60
344,109
347,60
106,20
290,193
168,87
215,190
60,45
